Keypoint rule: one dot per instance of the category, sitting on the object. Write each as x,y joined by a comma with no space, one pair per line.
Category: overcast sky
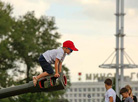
91,25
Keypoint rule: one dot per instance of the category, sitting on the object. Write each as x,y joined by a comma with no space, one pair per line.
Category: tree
6,55
22,41
31,37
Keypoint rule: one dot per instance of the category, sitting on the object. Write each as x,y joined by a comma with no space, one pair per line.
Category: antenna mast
119,64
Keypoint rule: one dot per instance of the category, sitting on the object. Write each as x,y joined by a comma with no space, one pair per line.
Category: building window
102,95
79,100
70,90
84,95
70,95
75,100
75,89
89,89
98,95
89,95
93,100
102,89
84,100
79,89
75,95
79,95
98,100
93,89
98,89
89,100
84,89
70,100
67,90
93,95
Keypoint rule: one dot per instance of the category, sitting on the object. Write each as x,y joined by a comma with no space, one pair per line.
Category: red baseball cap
70,44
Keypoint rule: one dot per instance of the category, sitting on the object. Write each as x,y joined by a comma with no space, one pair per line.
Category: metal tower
119,50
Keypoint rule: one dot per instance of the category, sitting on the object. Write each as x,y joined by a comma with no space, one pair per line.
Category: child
55,56
124,92
110,95
134,98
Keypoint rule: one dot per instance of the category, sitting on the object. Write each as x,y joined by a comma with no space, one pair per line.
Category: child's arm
60,66
111,99
56,68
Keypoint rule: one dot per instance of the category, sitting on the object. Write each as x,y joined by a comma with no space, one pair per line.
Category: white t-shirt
51,55
110,93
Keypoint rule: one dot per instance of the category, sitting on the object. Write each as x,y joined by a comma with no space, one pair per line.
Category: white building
92,91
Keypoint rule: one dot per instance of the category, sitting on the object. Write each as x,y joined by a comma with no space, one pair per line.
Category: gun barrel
46,84
17,90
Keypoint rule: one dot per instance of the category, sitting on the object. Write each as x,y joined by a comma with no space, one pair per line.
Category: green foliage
31,37
22,41
6,55
5,19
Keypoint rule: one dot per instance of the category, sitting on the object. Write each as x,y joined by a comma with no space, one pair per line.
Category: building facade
92,91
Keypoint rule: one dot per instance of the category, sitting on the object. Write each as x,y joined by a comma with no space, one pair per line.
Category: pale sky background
91,25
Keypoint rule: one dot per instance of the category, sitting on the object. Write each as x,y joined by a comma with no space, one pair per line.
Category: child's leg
39,76
42,75
46,69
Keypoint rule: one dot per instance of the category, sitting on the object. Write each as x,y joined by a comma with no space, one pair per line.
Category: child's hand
56,75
